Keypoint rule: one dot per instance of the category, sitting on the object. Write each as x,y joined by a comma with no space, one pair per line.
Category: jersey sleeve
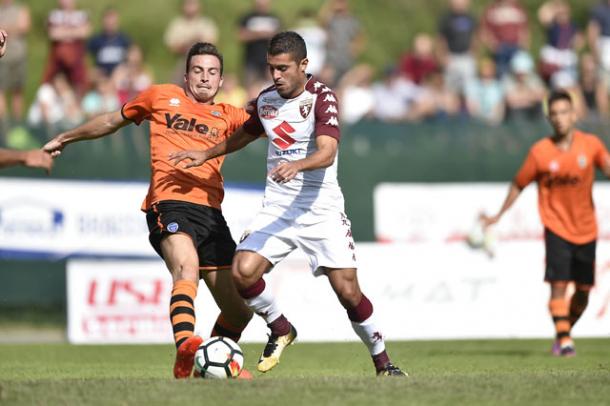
601,154
238,118
253,125
140,108
527,173
327,115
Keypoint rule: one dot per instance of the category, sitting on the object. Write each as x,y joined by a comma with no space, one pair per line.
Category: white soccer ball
219,358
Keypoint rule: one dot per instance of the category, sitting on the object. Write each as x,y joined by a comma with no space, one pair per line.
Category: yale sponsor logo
177,122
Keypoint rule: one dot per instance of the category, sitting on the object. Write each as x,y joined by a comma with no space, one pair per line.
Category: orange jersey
565,184
176,124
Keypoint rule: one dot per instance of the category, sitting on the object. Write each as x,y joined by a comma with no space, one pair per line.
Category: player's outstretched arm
322,158
236,141
95,128
35,158
513,193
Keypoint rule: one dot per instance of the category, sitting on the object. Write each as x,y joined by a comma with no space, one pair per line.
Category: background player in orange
34,158
187,228
563,165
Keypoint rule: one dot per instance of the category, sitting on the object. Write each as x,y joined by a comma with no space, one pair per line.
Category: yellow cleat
391,370
273,350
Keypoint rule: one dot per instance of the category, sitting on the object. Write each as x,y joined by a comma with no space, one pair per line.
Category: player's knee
242,272
185,270
349,295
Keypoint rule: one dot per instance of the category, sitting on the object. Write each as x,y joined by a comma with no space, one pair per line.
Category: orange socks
182,310
560,312
223,328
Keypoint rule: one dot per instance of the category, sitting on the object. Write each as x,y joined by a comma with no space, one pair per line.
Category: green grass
442,372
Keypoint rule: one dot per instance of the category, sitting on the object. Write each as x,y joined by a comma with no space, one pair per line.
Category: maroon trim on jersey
326,109
254,290
253,125
362,312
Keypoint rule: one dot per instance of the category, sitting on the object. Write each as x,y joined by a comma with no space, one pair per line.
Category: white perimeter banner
446,212
419,291
57,219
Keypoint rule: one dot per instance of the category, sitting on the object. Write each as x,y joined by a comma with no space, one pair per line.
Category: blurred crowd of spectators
483,68
476,67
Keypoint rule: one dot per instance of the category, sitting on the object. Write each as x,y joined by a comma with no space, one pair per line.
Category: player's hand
284,172
38,158
197,158
54,147
3,38
487,221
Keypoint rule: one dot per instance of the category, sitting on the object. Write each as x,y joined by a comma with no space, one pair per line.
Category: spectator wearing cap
524,90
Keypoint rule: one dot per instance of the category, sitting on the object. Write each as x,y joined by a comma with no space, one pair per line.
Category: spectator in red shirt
504,30
421,61
68,29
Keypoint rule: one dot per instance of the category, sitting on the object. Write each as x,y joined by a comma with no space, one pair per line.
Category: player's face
203,78
562,116
288,75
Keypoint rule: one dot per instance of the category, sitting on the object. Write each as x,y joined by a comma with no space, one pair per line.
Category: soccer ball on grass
219,358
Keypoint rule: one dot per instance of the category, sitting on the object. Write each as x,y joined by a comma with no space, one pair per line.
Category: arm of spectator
524,36
97,127
601,99
61,33
593,32
578,42
486,36
34,158
247,35
357,44
497,115
325,14
442,50
24,21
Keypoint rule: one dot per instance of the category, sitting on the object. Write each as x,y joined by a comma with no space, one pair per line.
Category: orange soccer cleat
185,357
245,374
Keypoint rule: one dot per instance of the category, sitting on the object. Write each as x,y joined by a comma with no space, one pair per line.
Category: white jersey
292,126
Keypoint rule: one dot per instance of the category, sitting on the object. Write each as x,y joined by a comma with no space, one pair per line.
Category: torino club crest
305,107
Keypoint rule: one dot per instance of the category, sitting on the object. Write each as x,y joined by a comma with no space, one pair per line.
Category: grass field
442,372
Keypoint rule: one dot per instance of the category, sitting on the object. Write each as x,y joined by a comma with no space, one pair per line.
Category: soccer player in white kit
303,205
